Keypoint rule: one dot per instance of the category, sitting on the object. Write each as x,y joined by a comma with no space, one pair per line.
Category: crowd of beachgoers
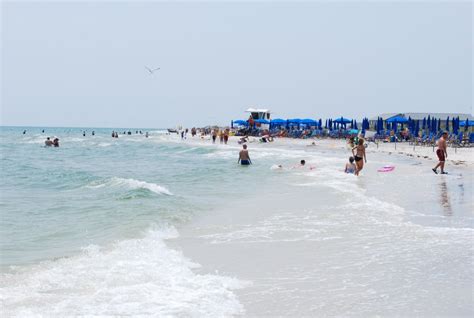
356,139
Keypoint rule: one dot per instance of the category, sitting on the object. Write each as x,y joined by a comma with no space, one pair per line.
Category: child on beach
350,166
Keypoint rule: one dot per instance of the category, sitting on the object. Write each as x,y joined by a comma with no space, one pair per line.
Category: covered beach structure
442,117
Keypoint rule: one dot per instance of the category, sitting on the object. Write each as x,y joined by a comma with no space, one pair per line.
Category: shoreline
288,253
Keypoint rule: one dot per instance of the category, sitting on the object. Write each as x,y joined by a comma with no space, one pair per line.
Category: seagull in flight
152,70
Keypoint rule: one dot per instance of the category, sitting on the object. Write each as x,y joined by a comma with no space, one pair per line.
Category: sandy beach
382,250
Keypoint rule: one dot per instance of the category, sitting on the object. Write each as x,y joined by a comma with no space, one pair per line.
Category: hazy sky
82,64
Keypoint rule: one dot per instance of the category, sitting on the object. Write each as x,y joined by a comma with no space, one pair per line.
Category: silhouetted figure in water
93,133
24,132
56,142
83,133
146,134
42,131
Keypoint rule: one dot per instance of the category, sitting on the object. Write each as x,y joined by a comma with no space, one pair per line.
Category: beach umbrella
342,120
424,123
355,125
240,122
466,123
397,119
262,121
320,123
439,124
308,121
447,123
278,122
326,125
294,121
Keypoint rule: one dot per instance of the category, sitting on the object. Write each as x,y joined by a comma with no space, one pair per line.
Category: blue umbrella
294,120
424,123
355,125
466,123
308,121
447,123
262,121
326,126
320,123
278,122
240,122
342,120
397,119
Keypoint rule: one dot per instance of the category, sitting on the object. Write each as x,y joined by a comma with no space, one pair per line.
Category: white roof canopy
257,110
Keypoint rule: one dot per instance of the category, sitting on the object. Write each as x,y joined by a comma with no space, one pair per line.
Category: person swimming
244,158
350,166
48,142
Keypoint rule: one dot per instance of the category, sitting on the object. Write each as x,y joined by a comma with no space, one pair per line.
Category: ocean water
161,226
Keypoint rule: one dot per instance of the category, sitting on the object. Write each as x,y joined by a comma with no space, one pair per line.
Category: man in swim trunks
441,153
244,158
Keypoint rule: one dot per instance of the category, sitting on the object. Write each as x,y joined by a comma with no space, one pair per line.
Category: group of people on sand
51,143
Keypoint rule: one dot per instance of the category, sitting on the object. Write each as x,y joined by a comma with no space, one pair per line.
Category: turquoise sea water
96,189
86,228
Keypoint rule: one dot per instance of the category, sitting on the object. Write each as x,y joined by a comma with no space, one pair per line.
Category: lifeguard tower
259,113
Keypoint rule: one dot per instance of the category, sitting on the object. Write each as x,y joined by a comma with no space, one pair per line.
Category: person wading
441,153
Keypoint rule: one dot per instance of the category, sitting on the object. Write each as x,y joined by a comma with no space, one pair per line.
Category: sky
83,63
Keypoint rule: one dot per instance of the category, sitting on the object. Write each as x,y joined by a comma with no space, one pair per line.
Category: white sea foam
130,184
134,277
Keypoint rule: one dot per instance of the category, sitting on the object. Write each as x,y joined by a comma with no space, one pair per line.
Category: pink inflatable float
386,169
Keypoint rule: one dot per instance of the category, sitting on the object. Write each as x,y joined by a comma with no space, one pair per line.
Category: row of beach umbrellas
428,124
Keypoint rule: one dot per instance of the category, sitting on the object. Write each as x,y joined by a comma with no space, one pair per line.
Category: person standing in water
214,136
226,135
441,153
244,158
48,142
359,156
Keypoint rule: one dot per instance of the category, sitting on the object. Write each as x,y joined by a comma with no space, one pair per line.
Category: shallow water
138,226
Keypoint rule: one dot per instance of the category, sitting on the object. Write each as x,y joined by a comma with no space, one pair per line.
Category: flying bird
150,70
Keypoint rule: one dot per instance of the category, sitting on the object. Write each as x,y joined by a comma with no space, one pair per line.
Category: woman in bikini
359,156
